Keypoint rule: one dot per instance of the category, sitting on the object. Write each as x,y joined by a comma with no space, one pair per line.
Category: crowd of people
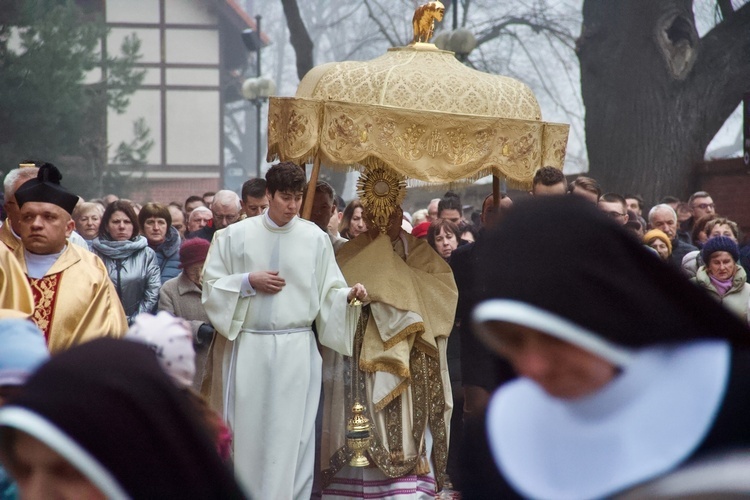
481,350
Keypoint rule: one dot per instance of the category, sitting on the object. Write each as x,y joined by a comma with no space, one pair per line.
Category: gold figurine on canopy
424,20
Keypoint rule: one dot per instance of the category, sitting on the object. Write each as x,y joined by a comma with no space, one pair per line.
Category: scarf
721,286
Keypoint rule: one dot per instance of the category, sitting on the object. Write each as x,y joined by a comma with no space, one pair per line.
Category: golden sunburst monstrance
380,190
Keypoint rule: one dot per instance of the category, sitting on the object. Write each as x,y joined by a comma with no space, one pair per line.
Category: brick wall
728,182
165,191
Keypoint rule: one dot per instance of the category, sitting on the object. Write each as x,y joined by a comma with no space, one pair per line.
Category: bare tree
656,92
299,38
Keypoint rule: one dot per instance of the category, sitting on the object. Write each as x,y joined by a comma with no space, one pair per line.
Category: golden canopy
420,112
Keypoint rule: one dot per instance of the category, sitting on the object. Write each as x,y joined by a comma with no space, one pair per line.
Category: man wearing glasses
700,204
225,209
615,207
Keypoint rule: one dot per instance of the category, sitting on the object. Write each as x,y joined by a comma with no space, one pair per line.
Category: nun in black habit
626,370
111,425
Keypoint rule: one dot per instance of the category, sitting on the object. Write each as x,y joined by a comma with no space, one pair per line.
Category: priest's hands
357,292
266,281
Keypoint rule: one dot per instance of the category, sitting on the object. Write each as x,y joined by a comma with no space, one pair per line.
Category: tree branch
501,27
722,71
465,14
298,37
380,26
726,8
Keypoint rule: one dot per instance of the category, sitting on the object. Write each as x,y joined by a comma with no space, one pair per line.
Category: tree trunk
655,93
298,37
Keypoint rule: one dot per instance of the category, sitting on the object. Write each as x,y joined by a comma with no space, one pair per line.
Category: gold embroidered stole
45,297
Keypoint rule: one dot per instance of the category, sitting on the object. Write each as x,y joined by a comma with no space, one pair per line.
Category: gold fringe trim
426,348
414,328
511,181
400,388
380,366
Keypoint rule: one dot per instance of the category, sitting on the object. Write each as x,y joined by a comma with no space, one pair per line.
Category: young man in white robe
265,281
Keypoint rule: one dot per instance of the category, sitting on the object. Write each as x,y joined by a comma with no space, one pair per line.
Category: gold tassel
423,466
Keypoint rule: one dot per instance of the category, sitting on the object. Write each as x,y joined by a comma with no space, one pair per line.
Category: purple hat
193,251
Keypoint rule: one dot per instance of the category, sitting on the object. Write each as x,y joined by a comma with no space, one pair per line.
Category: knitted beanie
657,234
720,244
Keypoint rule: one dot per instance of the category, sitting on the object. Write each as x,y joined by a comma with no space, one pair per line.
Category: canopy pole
309,197
495,190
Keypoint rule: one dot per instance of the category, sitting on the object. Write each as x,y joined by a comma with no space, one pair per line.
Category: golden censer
358,432
358,436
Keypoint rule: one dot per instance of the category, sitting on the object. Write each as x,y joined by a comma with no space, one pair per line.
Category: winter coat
691,262
168,255
737,297
679,250
133,268
181,297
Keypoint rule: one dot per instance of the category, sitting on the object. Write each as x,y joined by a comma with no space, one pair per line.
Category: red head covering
420,230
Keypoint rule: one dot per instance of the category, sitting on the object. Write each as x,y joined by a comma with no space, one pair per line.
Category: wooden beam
310,196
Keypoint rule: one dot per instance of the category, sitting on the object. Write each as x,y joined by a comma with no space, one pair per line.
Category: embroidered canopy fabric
419,111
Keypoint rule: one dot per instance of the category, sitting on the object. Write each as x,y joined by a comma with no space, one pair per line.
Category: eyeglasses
227,218
616,215
704,206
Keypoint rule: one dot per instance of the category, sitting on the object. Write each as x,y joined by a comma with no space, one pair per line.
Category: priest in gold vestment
16,300
74,299
402,378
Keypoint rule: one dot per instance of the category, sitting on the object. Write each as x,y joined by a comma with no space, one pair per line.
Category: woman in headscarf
626,371
103,420
722,277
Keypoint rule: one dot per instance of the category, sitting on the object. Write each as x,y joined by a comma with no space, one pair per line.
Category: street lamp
256,90
460,41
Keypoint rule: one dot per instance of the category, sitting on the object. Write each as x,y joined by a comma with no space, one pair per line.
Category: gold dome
421,77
